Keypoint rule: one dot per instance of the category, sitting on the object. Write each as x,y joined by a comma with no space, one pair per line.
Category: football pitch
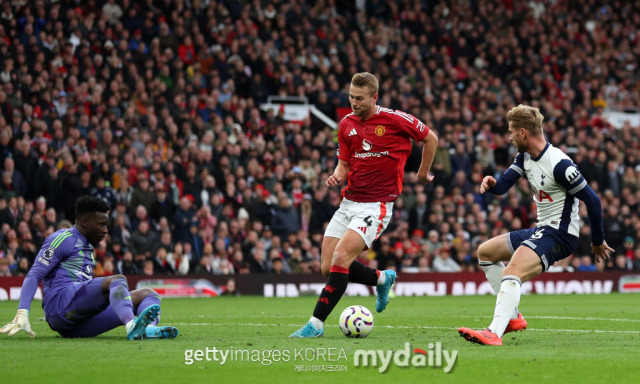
570,339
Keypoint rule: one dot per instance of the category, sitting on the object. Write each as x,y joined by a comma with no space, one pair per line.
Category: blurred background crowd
154,106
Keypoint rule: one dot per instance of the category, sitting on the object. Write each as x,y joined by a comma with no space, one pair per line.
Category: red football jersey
377,150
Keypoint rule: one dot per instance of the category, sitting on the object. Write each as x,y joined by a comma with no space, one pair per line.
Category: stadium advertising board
422,284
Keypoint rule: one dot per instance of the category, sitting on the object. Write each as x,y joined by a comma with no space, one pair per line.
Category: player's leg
340,222
369,220
117,289
347,249
358,272
328,247
144,298
524,265
78,303
97,325
538,252
109,319
491,255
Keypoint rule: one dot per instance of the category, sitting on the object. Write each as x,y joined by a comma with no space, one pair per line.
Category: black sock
332,292
361,274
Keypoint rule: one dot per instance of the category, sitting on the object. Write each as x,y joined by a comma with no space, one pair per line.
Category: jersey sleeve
509,177
567,174
411,125
48,258
344,151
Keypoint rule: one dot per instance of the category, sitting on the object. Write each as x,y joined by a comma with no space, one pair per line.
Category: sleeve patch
48,253
572,174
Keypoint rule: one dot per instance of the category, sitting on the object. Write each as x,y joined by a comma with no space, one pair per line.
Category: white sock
493,272
128,326
316,322
382,278
506,304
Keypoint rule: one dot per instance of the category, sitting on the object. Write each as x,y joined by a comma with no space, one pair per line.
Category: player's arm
344,154
567,174
44,263
599,246
507,180
339,174
428,153
418,131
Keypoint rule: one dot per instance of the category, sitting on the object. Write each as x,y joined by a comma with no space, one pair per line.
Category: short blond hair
529,118
365,79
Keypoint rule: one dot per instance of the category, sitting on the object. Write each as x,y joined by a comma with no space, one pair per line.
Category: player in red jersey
374,144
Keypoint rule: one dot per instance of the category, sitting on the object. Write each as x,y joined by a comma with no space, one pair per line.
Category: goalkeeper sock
146,303
361,274
332,292
120,300
506,303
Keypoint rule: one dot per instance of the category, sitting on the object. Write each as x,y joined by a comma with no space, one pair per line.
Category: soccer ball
356,321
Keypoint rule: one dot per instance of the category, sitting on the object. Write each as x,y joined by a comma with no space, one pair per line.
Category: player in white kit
557,186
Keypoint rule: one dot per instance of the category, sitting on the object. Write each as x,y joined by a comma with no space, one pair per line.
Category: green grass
590,338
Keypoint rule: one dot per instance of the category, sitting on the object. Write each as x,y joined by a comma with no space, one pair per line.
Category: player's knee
150,292
485,253
325,270
341,258
113,278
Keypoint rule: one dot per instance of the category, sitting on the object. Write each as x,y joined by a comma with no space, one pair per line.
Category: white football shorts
369,220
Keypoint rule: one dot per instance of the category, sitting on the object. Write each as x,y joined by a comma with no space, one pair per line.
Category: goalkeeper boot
136,327
518,324
165,332
308,330
383,290
484,337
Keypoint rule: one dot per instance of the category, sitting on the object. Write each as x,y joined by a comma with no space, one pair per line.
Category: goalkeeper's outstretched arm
29,287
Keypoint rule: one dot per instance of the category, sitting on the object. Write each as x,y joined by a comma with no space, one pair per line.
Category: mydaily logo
433,357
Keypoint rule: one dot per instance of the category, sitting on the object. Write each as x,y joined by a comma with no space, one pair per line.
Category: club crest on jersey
380,130
572,174
366,145
48,253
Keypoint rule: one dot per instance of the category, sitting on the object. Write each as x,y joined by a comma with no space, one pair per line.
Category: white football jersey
554,179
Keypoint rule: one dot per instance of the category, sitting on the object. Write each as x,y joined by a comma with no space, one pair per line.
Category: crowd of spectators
154,106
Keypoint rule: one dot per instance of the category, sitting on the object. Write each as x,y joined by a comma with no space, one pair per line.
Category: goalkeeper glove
20,322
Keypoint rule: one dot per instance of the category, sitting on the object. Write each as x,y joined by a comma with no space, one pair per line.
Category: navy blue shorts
549,243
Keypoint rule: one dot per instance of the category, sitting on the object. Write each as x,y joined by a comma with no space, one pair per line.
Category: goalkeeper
75,304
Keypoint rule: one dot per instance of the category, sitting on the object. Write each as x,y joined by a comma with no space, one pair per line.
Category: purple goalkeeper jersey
66,258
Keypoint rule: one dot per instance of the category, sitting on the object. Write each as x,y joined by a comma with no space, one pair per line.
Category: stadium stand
155,107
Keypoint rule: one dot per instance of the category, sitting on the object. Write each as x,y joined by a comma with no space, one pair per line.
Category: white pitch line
403,327
581,318
435,316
